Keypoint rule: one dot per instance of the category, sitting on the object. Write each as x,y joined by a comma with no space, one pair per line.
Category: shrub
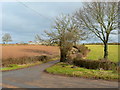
24,60
82,49
79,51
95,64
42,58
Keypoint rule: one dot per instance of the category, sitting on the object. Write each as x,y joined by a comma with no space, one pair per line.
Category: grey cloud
23,23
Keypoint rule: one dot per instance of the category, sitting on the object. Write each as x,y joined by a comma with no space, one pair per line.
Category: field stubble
28,50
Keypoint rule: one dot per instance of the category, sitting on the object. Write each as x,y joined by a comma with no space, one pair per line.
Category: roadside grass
15,66
65,69
97,52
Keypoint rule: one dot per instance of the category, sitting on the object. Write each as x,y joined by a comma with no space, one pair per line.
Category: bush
42,58
82,49
24,60
95,64
79,51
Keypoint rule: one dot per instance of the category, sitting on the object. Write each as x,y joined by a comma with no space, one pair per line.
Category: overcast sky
23,22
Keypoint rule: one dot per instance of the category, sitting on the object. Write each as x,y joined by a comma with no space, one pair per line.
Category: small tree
66,33
6,38
100,18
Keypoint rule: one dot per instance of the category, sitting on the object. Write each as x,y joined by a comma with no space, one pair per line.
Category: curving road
34,77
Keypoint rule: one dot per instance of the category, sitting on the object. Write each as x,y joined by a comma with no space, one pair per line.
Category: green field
97,52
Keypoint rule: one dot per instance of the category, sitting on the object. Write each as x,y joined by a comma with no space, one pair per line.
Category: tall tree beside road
100,18
66,32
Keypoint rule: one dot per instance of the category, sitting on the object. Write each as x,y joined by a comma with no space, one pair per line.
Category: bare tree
38,38
6,38
99,18
66,33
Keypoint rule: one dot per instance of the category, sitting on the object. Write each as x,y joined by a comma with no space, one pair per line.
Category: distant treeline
56,45
101,43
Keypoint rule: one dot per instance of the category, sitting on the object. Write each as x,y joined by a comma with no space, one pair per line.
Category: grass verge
15,66
65,69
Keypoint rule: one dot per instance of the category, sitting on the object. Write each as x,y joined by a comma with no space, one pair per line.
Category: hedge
95,64
24,60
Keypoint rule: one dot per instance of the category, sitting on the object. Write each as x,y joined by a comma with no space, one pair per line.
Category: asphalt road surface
35,77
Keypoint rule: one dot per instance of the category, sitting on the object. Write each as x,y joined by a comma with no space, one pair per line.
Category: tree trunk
105,51
62,55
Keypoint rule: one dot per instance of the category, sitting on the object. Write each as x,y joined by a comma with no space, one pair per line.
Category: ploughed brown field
16,51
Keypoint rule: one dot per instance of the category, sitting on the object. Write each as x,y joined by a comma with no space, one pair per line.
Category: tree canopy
66,32
6,38
100,18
